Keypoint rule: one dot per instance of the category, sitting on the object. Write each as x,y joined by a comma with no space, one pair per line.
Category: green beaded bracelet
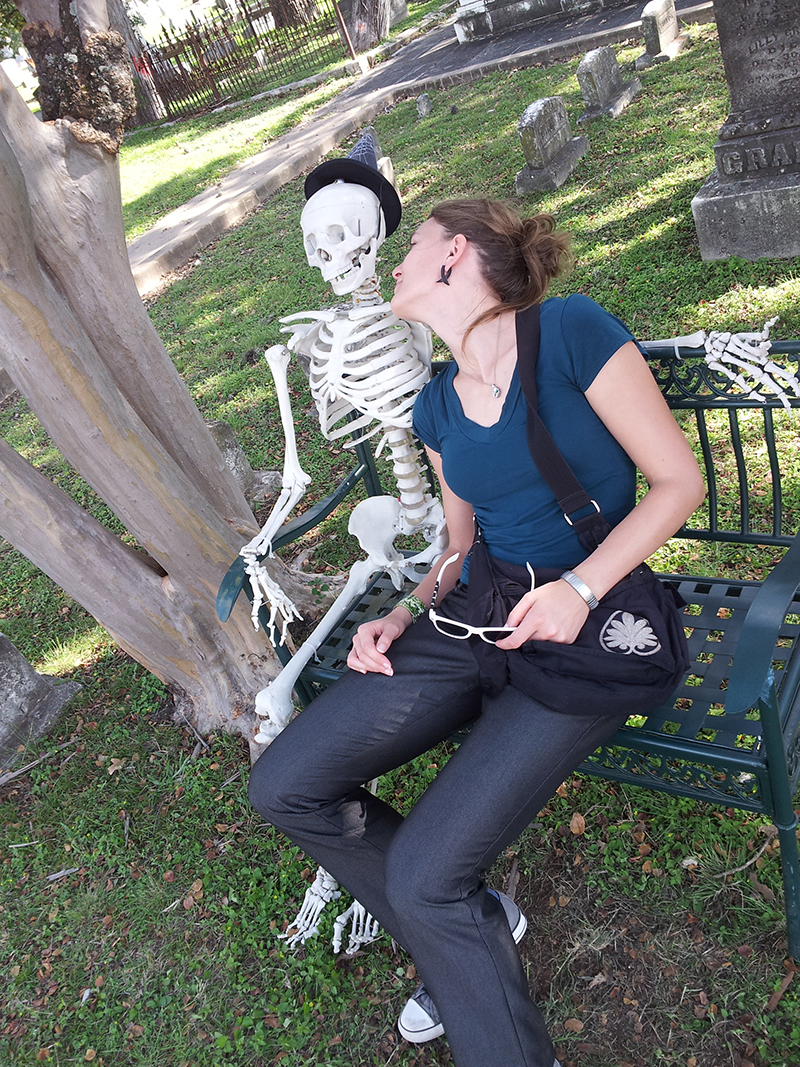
413,605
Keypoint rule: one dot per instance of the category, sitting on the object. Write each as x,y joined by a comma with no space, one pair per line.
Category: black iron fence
243,50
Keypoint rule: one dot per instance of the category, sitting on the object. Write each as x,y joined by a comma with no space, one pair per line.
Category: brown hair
520,257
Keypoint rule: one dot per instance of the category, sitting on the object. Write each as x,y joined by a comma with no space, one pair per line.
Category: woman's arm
627,399
373,639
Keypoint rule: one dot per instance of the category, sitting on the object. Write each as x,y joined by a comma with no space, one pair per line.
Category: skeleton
738,354
363,361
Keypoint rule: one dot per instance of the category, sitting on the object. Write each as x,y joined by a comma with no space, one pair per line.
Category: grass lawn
142,899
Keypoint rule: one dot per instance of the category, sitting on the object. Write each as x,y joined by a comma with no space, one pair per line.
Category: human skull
343,228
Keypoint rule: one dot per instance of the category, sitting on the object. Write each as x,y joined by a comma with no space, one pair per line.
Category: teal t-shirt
491,467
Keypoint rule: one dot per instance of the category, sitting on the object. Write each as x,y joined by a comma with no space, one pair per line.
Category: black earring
445,275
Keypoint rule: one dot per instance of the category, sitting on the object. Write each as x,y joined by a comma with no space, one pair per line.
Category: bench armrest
753,659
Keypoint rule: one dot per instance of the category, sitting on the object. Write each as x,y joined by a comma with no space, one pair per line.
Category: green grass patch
142,902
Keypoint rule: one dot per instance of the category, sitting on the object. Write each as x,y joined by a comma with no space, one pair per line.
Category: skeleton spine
411,481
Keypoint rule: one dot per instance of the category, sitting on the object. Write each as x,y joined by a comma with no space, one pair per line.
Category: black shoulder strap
554,469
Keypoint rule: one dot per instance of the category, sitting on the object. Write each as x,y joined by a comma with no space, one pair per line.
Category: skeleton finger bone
749,352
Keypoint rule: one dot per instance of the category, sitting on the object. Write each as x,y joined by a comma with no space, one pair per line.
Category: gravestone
29,702
550,149
424,105
604,93
256,485
750,205
351,12
7,387
479,19
663,39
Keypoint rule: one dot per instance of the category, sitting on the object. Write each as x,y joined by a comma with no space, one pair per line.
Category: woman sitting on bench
473,270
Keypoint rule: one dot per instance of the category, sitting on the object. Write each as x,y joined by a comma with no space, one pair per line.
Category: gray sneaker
419,1020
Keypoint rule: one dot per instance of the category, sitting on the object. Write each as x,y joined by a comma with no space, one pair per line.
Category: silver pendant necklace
496,390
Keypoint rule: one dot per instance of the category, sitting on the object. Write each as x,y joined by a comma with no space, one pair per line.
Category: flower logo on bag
625,633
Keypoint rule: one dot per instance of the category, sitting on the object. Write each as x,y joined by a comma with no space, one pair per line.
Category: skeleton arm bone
295,481
692,340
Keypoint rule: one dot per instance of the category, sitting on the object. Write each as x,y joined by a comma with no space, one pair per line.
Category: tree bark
293,12
367,21
151,107
78,343
162,620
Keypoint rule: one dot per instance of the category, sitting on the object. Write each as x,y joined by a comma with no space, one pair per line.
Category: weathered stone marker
663,39
424,105
604,93
29,702
7,387
478,19
550,149
750,205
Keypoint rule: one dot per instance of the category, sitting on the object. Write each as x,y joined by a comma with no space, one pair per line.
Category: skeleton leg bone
373,523
363,928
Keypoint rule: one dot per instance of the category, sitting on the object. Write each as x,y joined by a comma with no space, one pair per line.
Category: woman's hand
553,612
373,639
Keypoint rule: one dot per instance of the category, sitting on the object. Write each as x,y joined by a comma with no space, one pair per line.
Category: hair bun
519,257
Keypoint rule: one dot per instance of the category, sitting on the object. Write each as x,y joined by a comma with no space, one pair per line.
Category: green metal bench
731,733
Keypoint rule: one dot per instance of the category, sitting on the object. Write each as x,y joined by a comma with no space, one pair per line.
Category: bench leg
787,835
783,814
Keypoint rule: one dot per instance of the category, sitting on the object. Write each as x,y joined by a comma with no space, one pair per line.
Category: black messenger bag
631,653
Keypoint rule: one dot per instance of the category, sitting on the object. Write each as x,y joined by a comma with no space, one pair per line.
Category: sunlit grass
64,655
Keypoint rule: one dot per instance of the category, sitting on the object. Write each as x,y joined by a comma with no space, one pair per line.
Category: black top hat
360,167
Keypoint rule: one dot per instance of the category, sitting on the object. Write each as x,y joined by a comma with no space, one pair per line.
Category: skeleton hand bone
737,354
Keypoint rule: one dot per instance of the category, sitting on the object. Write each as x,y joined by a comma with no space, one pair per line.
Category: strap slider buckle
596,508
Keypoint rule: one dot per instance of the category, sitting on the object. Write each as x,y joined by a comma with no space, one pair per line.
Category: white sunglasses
462,630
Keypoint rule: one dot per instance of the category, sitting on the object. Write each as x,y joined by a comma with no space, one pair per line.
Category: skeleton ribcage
366,362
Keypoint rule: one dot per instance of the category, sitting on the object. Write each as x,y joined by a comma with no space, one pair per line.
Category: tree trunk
367,21
164,620
78,343
151,107
292,12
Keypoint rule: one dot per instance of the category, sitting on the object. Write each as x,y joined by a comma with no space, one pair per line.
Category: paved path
432,60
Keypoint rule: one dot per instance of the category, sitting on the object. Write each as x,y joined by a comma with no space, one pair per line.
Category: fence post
343,30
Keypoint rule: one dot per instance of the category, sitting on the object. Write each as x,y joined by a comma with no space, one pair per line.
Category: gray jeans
421,876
